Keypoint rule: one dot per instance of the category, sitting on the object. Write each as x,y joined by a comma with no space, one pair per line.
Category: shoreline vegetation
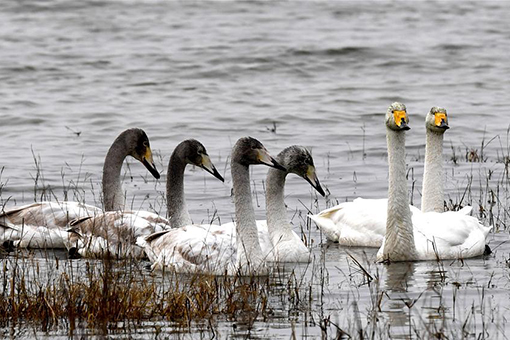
44,293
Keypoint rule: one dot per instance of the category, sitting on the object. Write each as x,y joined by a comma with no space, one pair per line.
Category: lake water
322,72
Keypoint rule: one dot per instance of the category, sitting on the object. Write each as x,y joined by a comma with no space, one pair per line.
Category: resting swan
421,236
277,239
43,224
115,232
211,248
362,222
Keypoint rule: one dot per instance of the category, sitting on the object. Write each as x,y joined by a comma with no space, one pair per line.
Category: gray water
323,72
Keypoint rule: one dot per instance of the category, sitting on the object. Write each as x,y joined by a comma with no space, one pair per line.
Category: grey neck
112,188
248,246
276,210
399,239
177,210
433,176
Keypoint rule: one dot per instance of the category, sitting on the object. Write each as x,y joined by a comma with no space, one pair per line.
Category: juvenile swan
211,248
115,232
277,239
43,224
421,236
362,222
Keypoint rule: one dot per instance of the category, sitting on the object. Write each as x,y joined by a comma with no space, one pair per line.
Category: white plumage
41,225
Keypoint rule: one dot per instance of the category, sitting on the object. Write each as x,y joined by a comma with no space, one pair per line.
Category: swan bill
311,177
401,119
441,120
208,166
149,163
265,158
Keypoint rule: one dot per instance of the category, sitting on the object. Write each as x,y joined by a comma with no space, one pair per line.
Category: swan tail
466,210
146,240
486,230
327,225
142,242
77,221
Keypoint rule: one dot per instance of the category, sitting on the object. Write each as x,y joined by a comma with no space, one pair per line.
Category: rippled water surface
74,74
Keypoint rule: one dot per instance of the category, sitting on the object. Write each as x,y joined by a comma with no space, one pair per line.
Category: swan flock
248,246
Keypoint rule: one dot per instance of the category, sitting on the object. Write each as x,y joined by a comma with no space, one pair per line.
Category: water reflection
399,278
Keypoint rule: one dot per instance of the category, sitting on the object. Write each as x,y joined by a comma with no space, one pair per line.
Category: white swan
115,232
421,236
211,248
362,222
43,224
277,239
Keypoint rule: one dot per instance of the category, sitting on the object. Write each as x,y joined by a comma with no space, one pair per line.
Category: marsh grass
99,294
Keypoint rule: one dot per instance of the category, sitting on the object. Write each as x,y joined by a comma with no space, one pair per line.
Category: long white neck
433,177
399,239
112,188
249,253
276,211
177,210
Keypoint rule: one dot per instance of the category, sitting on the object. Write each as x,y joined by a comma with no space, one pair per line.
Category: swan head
138,146
396,117
248,151
437,120
298,160
196,154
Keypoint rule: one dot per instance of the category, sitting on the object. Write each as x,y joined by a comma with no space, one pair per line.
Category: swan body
112,233
362,222
421,235
214,249
115,232
447,235
44,224
41,225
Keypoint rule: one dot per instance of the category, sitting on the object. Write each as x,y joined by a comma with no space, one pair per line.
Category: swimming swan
211,248
277,239
115,232
421,236
43,224
362,222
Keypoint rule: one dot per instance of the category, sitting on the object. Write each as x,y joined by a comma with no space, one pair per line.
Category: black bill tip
152,169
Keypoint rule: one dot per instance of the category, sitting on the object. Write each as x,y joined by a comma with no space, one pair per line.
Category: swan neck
276,210
248,246
433,176
177,210
112,188
399,239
